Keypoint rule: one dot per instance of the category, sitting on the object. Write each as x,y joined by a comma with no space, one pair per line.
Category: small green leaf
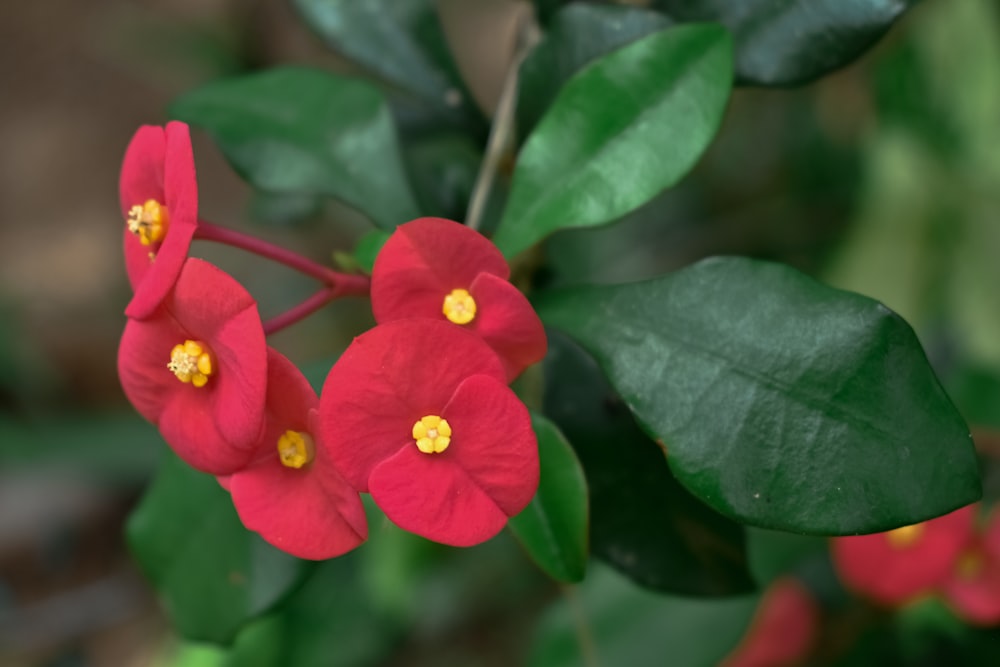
553,528
211,573
793,41
394,39
642,521
579,34
368,248
608,621
590,162
782,402
301,131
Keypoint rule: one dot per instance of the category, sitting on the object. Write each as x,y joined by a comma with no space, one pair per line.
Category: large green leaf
782,402
302,131
391,38
608,621
643,522
553,528
580,33
210,572
624,128
792,41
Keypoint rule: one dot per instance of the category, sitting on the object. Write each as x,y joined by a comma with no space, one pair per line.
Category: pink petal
387,380
508,323
433,497
784,628
189,427
492,442
976,598
142,168
143,354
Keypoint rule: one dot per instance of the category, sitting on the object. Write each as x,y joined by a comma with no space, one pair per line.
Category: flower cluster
952,556
417,411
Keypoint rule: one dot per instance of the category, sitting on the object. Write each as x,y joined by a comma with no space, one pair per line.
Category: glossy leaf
443,168
579,34
337,139
553,528
643,522
629,626
590,162
392,39
782,402
210,572
793,41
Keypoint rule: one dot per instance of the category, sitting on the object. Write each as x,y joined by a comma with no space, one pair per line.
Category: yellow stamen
148,221
296,449
191,362
906,536
459,307
432,434
970,564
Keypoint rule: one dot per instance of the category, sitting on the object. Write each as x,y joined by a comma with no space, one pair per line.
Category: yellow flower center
432,434
191,362
148,221
296,449
459,307
906,536
970,564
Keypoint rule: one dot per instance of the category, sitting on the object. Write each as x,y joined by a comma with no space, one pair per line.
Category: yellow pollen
296,449
459,307
432,434
191,362
905,536
148,221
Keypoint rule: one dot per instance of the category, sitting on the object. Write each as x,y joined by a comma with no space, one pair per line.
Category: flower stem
300,311
342,284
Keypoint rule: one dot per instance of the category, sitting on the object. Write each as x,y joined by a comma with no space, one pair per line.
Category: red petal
143,354
976,598
189,427
492,442
508,323
783,629
176,187
433,497
889,574
387,380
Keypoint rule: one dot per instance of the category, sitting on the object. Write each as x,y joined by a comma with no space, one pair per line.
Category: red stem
300,311
341,284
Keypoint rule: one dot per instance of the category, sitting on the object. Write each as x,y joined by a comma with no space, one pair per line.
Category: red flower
159,202
973,588
783,630
197,368
441,269
292,494
417,413
898,565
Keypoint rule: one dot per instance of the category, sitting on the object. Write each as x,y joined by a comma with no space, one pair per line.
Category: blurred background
882,178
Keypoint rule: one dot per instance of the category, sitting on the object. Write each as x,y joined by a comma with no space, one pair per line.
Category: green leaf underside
387,37
793,41
579,34
630,627
337,140
553,527
621,130
643,522
210,572
783,403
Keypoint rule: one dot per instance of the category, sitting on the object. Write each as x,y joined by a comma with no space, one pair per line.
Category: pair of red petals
948,555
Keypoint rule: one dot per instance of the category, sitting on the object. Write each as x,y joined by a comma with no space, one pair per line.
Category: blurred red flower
437,268
291,493
159,201
783,630
417,413
197,369
896,566
973,588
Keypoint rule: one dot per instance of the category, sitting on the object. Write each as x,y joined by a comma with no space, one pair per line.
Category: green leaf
368,248
608,621
395,40
782,402
579,34
302,131
642,521
553,528
793,41
443,169
210,572
590,162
